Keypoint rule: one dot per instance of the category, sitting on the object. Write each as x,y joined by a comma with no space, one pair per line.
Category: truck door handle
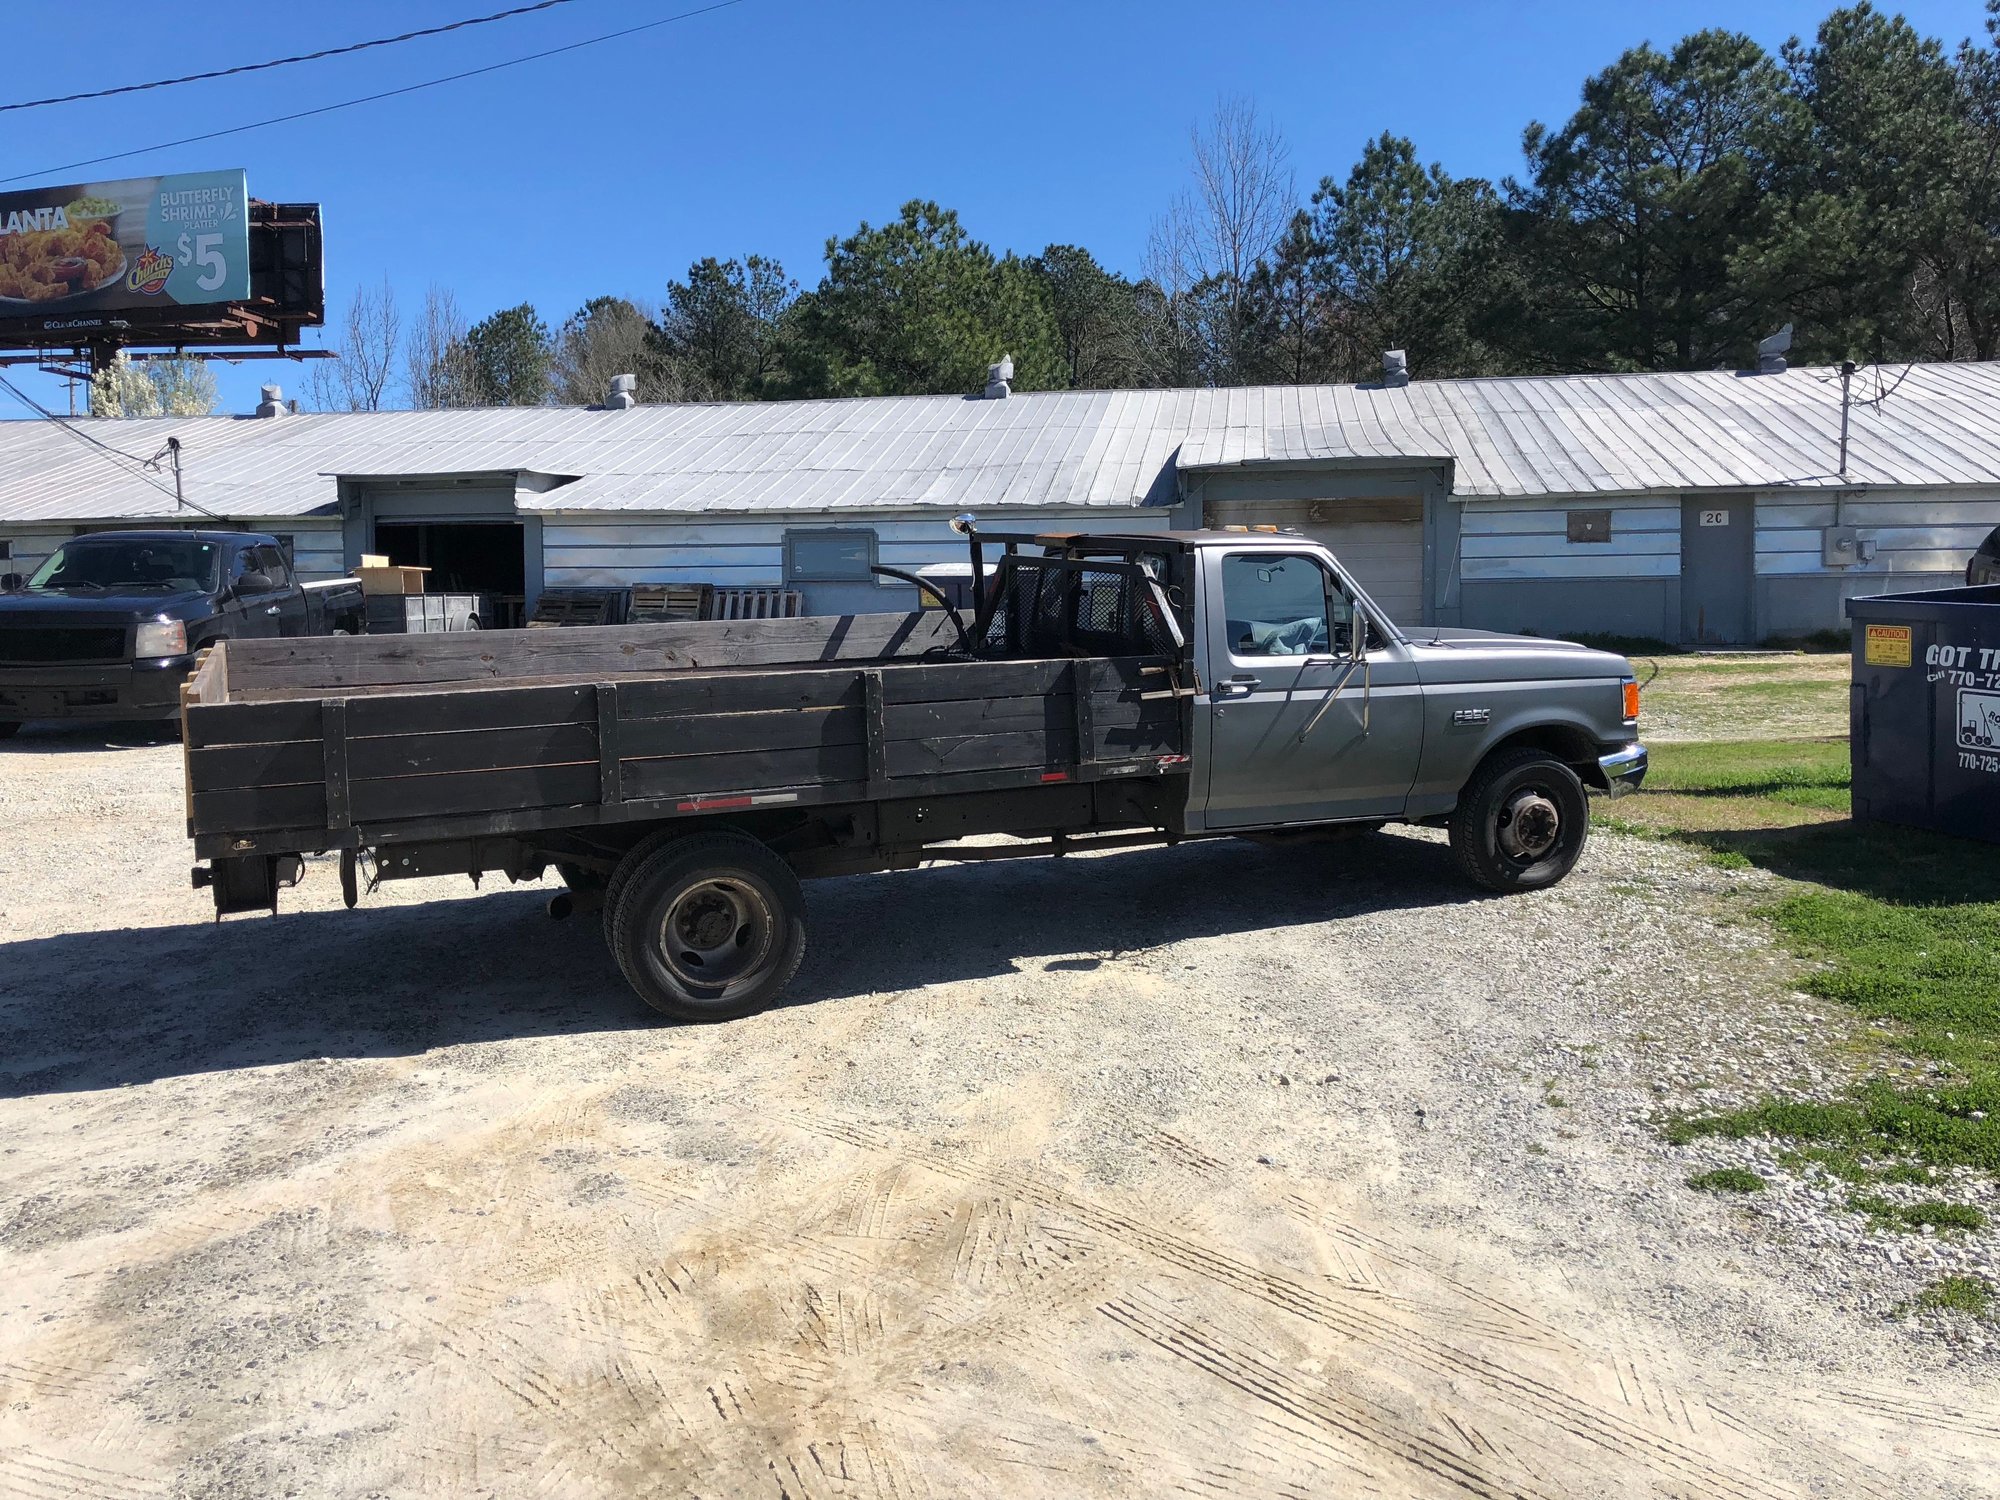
1240,686
273,610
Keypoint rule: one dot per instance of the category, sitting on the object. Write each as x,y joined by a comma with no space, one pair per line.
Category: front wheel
708,927
1521,822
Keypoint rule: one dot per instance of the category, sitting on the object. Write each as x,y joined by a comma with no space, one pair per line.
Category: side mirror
255,583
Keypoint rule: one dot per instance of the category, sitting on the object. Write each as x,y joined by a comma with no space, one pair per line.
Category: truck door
1306,724
255,607
289,595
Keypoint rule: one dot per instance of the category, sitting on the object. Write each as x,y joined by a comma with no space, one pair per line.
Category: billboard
148,243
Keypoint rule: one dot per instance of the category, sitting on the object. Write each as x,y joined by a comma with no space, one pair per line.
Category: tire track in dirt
1550,1406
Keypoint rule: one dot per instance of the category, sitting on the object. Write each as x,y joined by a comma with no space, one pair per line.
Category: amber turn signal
1631,698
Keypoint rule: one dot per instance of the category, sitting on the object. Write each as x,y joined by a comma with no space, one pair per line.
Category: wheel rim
716,931
1529,824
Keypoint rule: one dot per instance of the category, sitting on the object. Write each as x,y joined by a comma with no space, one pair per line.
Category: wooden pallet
672,601
758,604
559,607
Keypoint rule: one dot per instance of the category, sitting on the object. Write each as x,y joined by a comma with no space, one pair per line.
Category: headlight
161,638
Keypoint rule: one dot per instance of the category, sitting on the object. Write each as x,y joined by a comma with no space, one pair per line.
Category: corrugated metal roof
1560,435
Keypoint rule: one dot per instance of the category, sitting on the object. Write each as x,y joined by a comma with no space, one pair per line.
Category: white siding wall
31,547
605,548
1915,532
1529,539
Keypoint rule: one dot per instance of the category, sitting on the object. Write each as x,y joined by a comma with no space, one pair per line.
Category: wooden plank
475,792
1127,741
250,809
251,723
714,734
488,708
1112,673
608,750
484,750
878,733
1079,687
936,681
749,693
228,767
944,755
497,655
744,771
333,718
915,721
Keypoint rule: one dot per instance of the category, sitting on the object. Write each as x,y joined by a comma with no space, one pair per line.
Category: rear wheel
707,927
1521,821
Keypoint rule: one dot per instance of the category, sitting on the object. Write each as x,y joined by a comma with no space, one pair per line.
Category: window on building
829,556
1590,526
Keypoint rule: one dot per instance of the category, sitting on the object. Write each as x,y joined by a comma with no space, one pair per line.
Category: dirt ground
1220,1171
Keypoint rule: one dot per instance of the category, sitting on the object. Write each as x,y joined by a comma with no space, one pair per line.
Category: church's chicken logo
149,272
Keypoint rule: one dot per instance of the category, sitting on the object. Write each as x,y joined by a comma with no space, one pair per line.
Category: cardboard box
380,576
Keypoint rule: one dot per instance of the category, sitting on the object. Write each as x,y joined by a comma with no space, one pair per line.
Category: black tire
9,728
1521,822
707,927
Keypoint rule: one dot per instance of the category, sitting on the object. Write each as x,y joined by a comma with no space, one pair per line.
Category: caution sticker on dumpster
1887,646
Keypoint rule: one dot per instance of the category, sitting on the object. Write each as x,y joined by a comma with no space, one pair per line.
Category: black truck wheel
9,728
1521,821
707,927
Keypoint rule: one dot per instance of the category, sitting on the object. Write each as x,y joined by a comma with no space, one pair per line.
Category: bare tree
611,336
1205,250
357,377
438,361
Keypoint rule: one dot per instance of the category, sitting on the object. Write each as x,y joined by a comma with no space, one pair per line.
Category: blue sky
768,126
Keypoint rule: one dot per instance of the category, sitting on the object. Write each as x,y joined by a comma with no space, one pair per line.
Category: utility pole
1846,385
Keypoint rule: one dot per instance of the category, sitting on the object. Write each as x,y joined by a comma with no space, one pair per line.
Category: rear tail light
1632,698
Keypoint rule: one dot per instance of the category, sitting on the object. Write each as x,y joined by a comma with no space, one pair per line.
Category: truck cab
110,623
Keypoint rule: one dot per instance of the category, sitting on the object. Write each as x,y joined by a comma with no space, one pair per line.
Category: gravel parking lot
1218,1170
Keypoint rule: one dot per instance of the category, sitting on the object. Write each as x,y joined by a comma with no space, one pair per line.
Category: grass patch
1904,925
1727,1180
1961,1294
1914,1216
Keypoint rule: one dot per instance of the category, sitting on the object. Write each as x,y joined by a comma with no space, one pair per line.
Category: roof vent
1395,367
623,395
271,402
1771,351
997,376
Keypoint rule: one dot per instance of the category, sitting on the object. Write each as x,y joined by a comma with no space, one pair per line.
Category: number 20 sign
1715,518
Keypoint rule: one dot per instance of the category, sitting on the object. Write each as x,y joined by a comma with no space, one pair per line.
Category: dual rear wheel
705,926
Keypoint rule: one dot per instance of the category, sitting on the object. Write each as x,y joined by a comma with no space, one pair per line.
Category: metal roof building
1454,500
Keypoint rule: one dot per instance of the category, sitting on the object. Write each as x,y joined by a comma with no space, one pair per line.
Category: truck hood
1488,655
85,607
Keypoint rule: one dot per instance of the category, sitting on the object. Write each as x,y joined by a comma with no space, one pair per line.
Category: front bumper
1623,769
149,689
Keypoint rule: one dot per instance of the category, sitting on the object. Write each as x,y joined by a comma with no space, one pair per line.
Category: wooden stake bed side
302,745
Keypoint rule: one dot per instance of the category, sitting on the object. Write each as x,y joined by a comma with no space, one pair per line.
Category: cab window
1281,604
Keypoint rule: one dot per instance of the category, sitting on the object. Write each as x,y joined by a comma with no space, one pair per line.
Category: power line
129,464
327,109
285,62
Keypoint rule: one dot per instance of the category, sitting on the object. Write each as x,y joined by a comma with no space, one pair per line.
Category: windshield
167,564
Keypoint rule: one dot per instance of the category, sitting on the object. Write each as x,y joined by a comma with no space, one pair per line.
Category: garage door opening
465,557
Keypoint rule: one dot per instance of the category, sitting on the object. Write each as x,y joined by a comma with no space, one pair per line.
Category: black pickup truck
109,626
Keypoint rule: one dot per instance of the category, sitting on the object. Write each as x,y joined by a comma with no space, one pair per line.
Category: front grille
42,644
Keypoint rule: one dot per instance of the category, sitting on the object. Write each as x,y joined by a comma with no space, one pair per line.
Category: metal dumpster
1924,710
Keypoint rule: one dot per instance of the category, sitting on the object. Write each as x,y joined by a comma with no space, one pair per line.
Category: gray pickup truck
1107,691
